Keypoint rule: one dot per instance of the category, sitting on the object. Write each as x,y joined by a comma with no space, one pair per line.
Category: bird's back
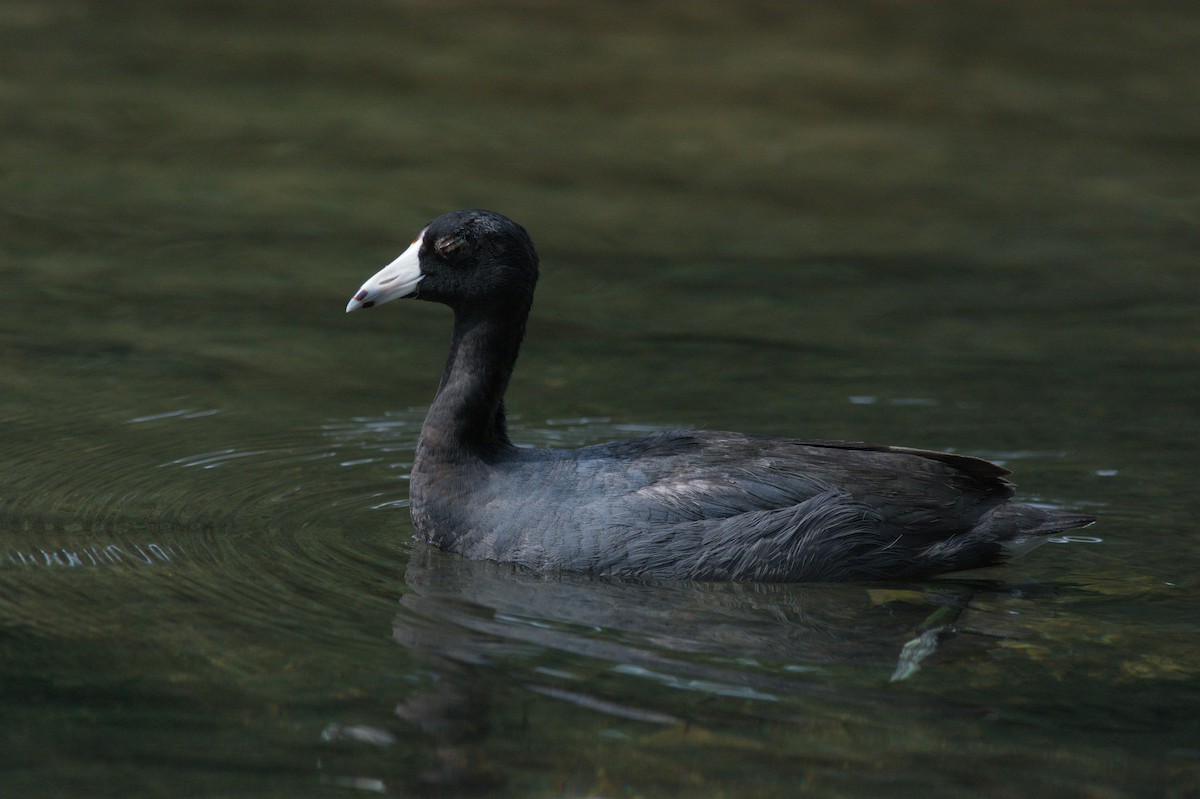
726,506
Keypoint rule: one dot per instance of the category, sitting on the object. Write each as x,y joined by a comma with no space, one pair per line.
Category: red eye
448,244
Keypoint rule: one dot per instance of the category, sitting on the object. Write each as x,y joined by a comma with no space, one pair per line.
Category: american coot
682,505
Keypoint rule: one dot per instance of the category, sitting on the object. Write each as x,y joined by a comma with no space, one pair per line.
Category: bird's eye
447,245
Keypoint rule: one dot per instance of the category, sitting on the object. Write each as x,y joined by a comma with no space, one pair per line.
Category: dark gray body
688,505
724,506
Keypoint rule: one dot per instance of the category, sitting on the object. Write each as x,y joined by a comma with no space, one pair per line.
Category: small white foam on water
150,554
181,413
1075,539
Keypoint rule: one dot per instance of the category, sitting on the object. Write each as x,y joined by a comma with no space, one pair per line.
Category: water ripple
279,529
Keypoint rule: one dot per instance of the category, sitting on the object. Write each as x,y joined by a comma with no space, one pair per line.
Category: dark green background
967,226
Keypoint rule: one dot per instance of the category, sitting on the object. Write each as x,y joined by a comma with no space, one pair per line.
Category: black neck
466,419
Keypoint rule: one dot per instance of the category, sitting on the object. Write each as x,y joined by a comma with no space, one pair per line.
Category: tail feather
1020,529
1061,522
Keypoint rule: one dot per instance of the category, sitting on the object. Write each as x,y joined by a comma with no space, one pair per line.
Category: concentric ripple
201,504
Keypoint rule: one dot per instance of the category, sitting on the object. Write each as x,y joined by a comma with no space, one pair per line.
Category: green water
959,226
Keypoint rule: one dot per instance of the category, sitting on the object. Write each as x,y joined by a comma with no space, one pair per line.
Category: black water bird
682,505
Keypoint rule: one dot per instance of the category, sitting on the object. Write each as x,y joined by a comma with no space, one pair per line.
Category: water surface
963,227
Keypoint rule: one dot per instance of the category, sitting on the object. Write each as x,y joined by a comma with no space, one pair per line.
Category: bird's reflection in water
490,629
